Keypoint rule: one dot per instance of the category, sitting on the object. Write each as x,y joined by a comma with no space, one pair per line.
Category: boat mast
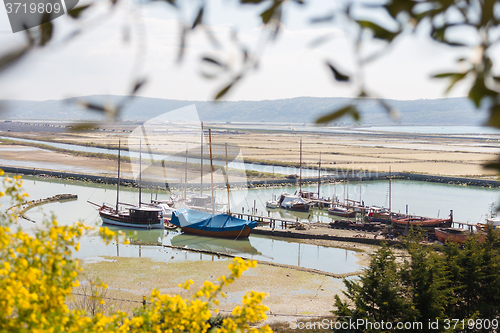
390,197
348,191
140,171
227,184
319,173
201,176
273,184
211,169
300,167
118,179
186,172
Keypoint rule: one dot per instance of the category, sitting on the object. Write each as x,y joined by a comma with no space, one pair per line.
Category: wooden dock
267,220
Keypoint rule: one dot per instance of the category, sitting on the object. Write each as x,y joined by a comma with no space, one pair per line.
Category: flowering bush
38,273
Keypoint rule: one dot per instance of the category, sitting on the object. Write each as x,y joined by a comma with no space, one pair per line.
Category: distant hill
447,111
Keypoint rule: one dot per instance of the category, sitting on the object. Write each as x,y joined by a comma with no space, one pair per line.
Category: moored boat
135,217
422,222
148,217
377,214
455,235
167,206
294,202
341,211
494,221
212,225
272,204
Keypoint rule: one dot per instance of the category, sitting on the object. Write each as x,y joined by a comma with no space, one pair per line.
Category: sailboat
296,202
212,224
273,203
148,217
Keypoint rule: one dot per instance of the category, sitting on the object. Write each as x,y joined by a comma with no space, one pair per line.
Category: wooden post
319,173
211,169
118,179
390,194
227,184
201,176
140,171
186,173
300,168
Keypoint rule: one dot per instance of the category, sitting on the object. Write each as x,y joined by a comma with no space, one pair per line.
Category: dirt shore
131,278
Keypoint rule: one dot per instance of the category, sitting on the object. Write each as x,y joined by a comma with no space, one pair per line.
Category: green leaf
268,14
395,7
393,113
494,118
92,106
171,2
492,165
76,12
46,30
226,88
213,62
83,127
487,10
479,90
445,75
349,109
378,31
11,58
138,85
198,18
338,75
182,43
454,78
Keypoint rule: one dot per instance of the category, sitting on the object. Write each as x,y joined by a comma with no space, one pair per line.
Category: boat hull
298,208
422,223
454,235
272,204
349,214
122,222
224,233
212,225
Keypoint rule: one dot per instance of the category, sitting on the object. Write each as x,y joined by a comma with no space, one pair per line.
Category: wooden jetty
267,220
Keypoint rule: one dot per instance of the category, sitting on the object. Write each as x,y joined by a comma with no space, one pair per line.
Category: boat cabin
145,214
201,201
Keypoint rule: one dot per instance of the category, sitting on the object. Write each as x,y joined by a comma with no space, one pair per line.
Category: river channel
469,204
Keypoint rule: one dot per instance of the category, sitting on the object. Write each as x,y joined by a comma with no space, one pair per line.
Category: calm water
470,204
257,247
434,129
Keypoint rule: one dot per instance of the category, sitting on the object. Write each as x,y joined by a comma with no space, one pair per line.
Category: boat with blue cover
212,225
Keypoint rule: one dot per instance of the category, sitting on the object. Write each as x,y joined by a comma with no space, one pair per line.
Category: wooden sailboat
132,217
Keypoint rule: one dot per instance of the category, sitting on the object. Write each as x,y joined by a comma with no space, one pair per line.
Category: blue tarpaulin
205,221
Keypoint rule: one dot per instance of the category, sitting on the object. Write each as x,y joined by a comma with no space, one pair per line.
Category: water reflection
221,245
141,236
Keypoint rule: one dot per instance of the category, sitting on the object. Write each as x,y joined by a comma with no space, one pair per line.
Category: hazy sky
100,62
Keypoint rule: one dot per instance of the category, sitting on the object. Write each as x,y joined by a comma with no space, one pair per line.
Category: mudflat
451,155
